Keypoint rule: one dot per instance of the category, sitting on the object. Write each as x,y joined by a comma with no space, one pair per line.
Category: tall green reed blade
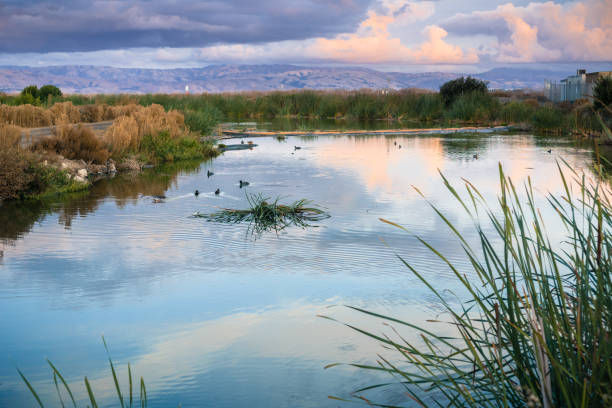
57,374
537,324
25,380
90,393
116,381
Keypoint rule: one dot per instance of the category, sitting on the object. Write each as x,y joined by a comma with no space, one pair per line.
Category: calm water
209,315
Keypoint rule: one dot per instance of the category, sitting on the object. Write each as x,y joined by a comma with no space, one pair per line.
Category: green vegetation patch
163,148
264,215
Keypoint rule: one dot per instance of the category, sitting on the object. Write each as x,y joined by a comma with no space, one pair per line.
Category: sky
381,34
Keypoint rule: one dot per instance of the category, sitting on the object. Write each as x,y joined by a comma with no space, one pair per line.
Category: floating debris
264,215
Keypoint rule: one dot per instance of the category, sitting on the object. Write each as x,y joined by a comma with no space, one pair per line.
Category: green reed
264,215
536,329
128,400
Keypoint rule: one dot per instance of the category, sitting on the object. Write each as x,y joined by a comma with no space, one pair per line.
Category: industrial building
572,88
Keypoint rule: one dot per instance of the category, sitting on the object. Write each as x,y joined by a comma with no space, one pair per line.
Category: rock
130,164
82,173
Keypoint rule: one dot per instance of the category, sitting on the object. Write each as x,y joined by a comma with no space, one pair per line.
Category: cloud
85,25
373,43
537,32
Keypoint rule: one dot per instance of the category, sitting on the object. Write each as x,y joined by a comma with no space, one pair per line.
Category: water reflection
17,218
211,318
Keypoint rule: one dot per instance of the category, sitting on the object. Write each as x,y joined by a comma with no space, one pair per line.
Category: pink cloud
373,43
577,31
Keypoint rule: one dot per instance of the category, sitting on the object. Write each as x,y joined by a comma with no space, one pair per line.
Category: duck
244,183
296,147
217,192
250,142
242,142
399,147
395,143
475,156
549,150
160,197
197,193
209,173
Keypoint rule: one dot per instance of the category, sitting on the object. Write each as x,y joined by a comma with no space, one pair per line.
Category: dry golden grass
131,123
25,116
65,112
122,135
9,136
75,143
91,113
135,121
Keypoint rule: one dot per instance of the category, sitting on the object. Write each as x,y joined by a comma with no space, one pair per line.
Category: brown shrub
91,113
133,122
65,112
122,135
25,116
15,173
10,136
76,143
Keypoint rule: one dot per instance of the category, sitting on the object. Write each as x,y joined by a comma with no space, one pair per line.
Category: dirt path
30,136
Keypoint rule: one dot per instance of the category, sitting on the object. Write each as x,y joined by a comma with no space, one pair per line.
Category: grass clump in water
264,215
535,328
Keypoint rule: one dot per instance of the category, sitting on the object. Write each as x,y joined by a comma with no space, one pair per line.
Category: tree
48,90
451,90
602,92
31,90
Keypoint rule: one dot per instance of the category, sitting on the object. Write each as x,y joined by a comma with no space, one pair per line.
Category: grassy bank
202,112
140,134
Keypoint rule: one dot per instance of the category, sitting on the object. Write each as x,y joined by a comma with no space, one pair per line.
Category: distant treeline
203,111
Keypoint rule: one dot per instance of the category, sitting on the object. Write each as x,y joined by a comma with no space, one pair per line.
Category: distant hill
226,78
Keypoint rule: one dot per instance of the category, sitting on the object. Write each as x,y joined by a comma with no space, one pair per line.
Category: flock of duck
161,198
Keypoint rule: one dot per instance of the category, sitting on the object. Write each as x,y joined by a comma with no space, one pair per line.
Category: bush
16,173
46,91
602,92
429,107
475,107
203,120
547,118
31,90
451,90
163,147
76,143
516,112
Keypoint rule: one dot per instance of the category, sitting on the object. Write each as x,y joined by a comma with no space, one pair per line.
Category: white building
572,88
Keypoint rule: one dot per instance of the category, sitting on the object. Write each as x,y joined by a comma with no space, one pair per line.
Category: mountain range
85,79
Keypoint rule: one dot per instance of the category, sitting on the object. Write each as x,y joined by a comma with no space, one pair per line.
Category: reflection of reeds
536,329
266,216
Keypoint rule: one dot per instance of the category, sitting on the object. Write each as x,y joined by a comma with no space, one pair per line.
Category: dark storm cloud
86,25
477,23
